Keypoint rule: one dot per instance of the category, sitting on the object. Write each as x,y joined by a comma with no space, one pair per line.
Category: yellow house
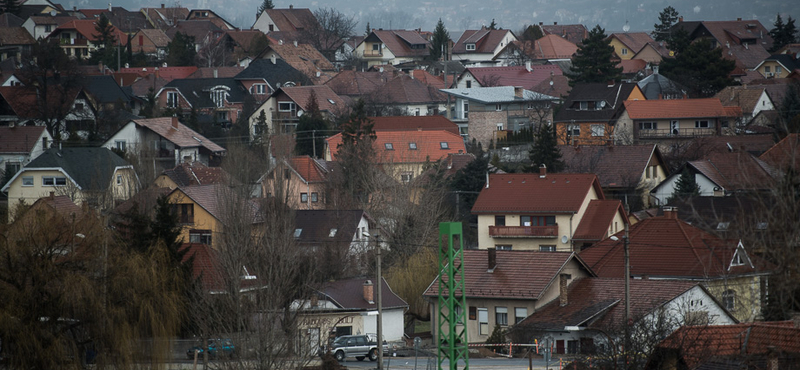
545,212
778,66
590,113
197,209
627,44
94,176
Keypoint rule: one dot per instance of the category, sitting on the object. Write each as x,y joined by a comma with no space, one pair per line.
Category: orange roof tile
308,168
674,108
396,146
597,220
785,154
528,192
87,28
327,100
554,47
414,123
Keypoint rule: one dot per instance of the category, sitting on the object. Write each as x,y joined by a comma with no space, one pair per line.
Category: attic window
331,101
723,225
388,146
297,233
332,233
470,46
737,260
444,145
412,146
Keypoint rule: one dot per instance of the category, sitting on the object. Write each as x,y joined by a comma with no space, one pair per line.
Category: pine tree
267,4
662,31
440,42
592,62
308,142
181,50
700,68
105,39
532,33
492,26
545,151
783,33
470,180
9,6
368,30
686,186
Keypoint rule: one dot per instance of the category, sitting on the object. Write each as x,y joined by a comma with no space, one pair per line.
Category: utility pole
626,246
314,142
380,304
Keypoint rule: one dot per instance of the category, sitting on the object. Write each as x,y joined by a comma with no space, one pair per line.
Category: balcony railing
677,133
373,53
545,232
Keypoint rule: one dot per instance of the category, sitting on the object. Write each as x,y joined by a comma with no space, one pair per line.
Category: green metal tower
451,331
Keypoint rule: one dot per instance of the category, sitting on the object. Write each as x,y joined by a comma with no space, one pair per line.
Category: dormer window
297,233
218,96
444,145
470,47
388,146
412,146
584,105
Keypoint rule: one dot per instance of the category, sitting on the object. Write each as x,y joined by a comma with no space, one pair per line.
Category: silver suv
358,346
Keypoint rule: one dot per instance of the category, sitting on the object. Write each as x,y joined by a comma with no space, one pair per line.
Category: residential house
574,33
668,121
773,344
38,7
20,145
784,155
79,40
483,113
240,44
357,84
750,99
215,100
590,113
626,172
392,47
668,248
108,99
548,48
778,65
403,154
284,107
627,44
653,53
720,174
349,307
502,288
527,76
207,270
191,174
198,212
300,181
744,41
166,141
95,176
40,26
288,22
152,42
263,76
656,86
482,47
342,236
14,42
544,212
163,18
302,57
204,31
210,15
405,95
21,106
585,315
126,21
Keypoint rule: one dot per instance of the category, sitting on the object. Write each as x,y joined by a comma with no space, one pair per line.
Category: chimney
52,195
272,58
109,7
555,23
680,19
562,289
175,122
655,70
162,6
295,43
487,180
492,259
739,19
291,6
542,171
368,289
528,65
380,69
518,91
216,73
541,23
671,213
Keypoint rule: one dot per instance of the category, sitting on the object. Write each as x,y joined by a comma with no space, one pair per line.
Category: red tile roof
23,101
615,166
594,301
15,36
87,28
598,219
528,192
405,90
670,248
181,136
744,97
196,173
308,168
428,145
517,275
349,294
293,19
736,171
18,140
485,40
515,75
414,123
674,108
575,33
306,59
327,100
557,86
630,66
205,196
353,83
206,267
427,78
398,41
785,154
635,41
554,47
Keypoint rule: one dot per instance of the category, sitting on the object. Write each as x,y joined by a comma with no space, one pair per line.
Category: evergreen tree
545,151
356,156
267,4
592,62
783,33
700,68
368,30
469,181
662,31
686,186
492,26
181,51
532,33
311,130
9,6
440,42
105,39
790,109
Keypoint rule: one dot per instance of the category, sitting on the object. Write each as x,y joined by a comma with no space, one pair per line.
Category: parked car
215,347
358,346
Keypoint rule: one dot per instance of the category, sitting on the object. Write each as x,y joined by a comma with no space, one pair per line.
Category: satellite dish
626,28
564,239
300,113
551,82
602,104
53,13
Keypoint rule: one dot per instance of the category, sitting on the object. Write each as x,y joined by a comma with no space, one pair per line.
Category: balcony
540,232
677,133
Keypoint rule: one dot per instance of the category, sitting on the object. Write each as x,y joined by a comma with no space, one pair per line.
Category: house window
500,126
470,47
218,96
483,321
303,197
200,236
737,260
388,146
259,89
54,181
120,145
473,313
573,130
466,109
767,69
285,106
624,51
78,107
648,126
412,146
333,231
444,145
547,248
500,220
44,143
172,99
729,299
119,179
406,177
498,107
222,116
48,28
297,233
376,47
12,168
537,220
520,313
503,247
314,197
778,70
271,27
501,316
584,105
598,130
184,212
27,181
416,112
701,124
469,84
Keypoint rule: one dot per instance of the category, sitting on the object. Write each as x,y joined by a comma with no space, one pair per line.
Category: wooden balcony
679,133
373,53
541,232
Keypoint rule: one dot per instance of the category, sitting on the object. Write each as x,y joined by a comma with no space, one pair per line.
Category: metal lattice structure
451,331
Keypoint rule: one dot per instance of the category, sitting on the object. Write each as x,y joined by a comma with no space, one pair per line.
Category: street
424,363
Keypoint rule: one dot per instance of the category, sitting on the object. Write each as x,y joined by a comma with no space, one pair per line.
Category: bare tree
329,32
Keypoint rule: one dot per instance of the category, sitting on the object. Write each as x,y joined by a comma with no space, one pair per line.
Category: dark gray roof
276,74
316,226
127,21
104,89
789,61
349,294
195,28
91,168
612,95
196,90
656,86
